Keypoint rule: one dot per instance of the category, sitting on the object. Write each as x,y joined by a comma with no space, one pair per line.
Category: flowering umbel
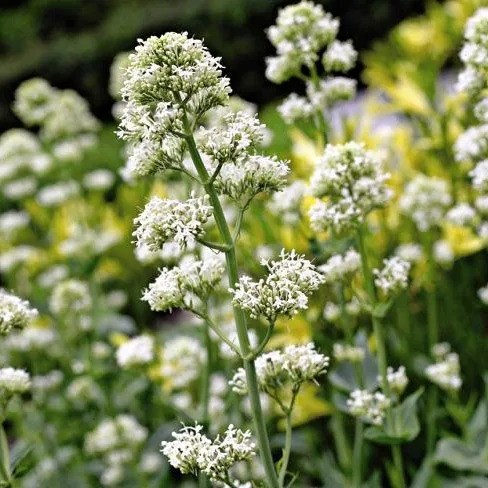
15,313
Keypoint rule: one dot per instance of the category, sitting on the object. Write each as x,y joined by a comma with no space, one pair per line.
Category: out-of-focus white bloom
339,56
445,372
286,203
470,80
461,214
99,179
123,431
443,253
352,179
410,252
83,390
20,189
57,193
70,296
481,110
15,313
285,290
163,220
84,241
31,338
393,277
332,312
295,107
346,352
353,307
34,101
479,176
425,201
13,221
330,90
472,145
135,352
53,275
112,475
481,204
13,381
150,463
277,369
397,380
182,361
340,267
17,256
184,286
370,407
301,32
48,382
483,294
117,74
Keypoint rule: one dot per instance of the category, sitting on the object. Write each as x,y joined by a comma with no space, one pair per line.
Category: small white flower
479,176
339,56
13,381
410,252
294,108
340,267
483,294
370,407
445,372
286,203
461,214
443,253
15,313
70,296
99,179
397,380
332,312
346,352
13,221
393,277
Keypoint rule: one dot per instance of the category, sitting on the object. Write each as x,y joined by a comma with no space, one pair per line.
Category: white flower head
483,294
479,176
70,296
461,214
285,291
352,180
472,144
340,267
15,313
163,220
446,371
295,107
397,380
443,252
393,277
13,381
339,56
370,407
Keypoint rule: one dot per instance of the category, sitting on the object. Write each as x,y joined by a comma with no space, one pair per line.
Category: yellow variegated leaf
463,240
296,330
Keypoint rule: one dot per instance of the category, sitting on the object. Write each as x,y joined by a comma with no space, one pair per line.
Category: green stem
205,384
239,317
286,451
341,445
357,455
380,347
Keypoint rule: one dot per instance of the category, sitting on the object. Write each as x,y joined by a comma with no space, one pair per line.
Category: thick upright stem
380,348
239,317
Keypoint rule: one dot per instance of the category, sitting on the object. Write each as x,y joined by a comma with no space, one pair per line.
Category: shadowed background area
71,43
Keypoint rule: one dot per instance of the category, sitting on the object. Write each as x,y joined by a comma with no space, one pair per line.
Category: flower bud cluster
164,220
137,351
445,372
425,200
341,266
15,313
352,180
285,291
184,286
191,451
278,369
370,407
397,380
393,277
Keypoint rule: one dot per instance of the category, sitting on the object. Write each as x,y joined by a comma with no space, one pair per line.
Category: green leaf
4,456
381,309
465,482
20,464
404,425
461,456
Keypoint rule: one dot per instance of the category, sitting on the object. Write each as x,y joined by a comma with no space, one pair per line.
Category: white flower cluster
12,381
393,277
136,351
31,338
13,221
397,380
70,296
286,203
16,256
301,34
425,200
370,407
278,369
63,116
184,286
352,180
168,78
341,266
285,291
446,371
474,53
191,451
443,252
57,193
182,361
164,220
472,145
15,313
479,176
346,352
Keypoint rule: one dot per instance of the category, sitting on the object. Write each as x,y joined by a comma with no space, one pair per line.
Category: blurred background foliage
71,43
